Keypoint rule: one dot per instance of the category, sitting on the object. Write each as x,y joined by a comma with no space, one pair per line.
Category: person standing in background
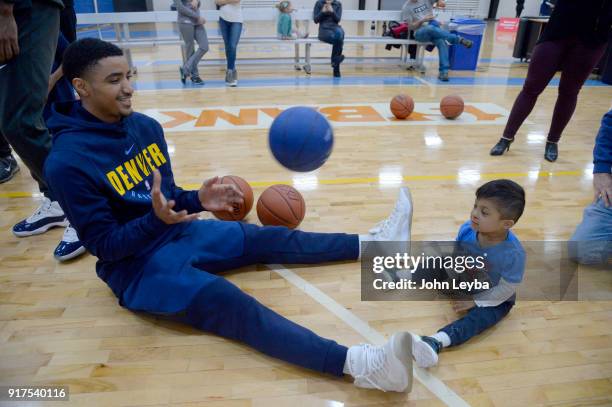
572,42
28,39
191,25
520,4
230,24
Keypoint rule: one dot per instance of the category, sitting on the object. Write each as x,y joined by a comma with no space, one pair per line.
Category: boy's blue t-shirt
505,259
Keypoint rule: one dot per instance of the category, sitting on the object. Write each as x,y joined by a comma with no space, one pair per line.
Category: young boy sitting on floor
499,205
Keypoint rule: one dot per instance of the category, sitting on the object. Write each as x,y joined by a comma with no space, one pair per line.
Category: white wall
507,8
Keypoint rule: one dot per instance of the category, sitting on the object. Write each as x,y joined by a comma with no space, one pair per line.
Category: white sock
347,361
346,369
443,338
363,238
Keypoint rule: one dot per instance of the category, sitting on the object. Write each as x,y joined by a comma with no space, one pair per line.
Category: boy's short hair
84,54
508,195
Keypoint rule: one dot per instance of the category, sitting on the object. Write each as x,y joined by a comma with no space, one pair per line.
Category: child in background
284,25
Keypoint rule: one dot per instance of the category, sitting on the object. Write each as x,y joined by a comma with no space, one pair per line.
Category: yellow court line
450,177
367,180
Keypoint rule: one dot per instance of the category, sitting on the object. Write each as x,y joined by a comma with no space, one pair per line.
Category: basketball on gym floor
281,205
402,106
301,139
240,211
451,106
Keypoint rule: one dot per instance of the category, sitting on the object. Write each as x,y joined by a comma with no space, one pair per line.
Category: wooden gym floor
60,324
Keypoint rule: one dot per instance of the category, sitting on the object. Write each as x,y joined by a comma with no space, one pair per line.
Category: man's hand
462,306
201,21
441,4
602,183
163,208
9,39
215,196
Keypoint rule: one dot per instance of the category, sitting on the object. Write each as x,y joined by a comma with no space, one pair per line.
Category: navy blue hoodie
101,174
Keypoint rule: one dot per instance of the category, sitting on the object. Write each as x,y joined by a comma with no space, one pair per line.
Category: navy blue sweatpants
476,321
180,277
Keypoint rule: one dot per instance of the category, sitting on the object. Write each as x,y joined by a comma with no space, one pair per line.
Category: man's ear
81,86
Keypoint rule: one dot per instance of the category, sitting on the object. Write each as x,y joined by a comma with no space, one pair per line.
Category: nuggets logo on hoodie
132,172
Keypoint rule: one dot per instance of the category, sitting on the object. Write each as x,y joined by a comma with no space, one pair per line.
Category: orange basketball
451,106
401,106
281,205
240,211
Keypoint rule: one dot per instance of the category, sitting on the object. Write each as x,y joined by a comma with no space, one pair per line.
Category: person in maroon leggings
573,41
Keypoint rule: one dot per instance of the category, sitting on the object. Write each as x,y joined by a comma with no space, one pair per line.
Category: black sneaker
8,168
182,74
443,76
337,72
425,350
196,80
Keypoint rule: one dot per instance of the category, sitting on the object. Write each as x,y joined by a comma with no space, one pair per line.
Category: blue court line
344,81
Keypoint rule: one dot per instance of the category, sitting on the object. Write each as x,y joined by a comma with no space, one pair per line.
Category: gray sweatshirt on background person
413,11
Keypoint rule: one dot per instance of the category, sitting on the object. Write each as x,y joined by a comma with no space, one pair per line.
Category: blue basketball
301,139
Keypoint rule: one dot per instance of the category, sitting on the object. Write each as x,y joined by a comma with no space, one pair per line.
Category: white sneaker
396,228
424,354
47,215
234,81
386,368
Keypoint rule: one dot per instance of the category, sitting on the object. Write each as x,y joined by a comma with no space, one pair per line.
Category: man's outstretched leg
277,244
223,309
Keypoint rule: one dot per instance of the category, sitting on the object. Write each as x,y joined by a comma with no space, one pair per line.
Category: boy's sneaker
234,81
466,43
8,168
386,368
443,76
396,228
228,77
70,246
49,214
425,350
